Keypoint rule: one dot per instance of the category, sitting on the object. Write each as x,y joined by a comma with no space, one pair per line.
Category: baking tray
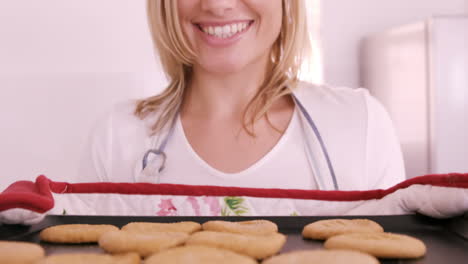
446,240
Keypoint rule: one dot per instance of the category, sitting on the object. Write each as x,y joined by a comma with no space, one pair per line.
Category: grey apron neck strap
162,147
160,150
314,128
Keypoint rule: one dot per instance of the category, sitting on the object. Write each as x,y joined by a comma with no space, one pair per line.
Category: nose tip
218,7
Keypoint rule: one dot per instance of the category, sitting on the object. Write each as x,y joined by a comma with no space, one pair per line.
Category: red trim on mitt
28,195
38,197
451,180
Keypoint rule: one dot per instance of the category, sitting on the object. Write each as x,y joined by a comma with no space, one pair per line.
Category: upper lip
207,23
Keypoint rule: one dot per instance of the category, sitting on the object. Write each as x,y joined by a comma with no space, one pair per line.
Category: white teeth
218,31
234,28
225,31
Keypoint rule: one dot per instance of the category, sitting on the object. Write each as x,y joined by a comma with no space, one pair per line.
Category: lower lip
222,42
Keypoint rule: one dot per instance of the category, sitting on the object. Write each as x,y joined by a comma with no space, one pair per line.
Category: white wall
345,23
74,36
63,63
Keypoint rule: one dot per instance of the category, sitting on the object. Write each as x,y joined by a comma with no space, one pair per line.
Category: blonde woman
235,114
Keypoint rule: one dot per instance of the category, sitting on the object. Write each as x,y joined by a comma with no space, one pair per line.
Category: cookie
258,247
75,233
131,258
382,245
198,255
254,227
185,227
144,244
20,252
323,256
324,229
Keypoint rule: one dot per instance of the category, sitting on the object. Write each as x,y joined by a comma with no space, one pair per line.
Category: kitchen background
64,63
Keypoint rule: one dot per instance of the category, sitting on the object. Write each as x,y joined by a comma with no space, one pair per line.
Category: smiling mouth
225,31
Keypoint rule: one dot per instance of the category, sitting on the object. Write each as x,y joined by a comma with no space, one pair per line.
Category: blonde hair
287,55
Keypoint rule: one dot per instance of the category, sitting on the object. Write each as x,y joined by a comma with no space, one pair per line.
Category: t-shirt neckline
259,163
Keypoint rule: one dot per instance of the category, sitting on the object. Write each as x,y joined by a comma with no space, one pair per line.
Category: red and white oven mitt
27,203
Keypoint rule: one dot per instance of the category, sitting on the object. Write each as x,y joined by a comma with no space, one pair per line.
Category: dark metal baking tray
446,240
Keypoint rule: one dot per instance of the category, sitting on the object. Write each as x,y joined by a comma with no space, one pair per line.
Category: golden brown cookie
258,247
144,244
198,255
185,227
382,245
131,258
323,256
75,233
20,252
324,229
253,227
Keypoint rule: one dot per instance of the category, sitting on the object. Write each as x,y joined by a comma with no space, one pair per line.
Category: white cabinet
420,73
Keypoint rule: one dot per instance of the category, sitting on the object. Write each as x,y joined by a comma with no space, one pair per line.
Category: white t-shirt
356,131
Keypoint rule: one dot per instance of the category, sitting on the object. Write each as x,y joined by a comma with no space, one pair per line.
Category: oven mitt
439,196
26,202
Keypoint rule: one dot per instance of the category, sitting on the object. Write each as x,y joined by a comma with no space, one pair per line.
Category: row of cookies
14,252
257,239
228,242
239,242
246,242
366,236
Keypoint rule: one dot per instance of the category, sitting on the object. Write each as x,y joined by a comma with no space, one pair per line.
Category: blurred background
64,63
